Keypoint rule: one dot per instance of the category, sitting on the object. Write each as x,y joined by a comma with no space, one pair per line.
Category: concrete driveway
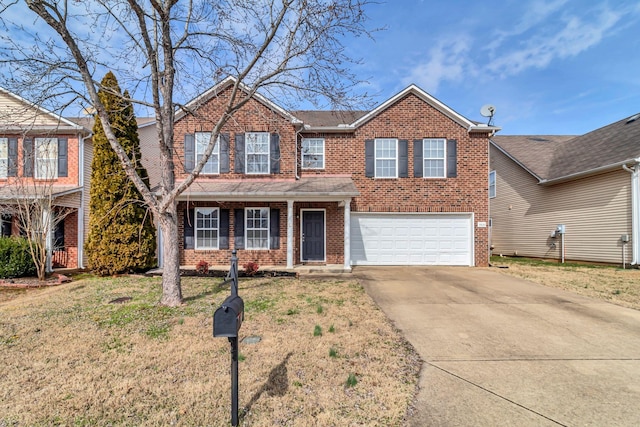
503,351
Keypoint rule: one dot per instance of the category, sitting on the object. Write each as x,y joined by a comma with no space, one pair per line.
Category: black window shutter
403,158
189,218
452,158
58,235
63,157
224,153
189,152
417,159
238,228
369,158
274,229
28,160
275,153
223,242
239,153
13,157
6,225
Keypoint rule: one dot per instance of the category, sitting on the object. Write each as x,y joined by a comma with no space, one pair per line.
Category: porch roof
316,188
27,191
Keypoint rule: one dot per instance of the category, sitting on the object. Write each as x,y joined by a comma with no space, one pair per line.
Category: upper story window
433,157
257,228
257,152
213,164
313,153
4,157
46,158
386,152
492,184
206,228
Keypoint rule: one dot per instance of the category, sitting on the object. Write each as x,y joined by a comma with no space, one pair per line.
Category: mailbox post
227,320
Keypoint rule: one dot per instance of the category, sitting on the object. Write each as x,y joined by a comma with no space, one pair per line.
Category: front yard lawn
100,351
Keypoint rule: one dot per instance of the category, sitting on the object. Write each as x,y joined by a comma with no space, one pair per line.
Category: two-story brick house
43,155
402,184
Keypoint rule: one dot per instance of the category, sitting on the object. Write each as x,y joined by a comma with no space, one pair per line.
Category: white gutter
594,171
635,209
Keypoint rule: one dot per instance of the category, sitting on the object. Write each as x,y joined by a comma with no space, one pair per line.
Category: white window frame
4,158
492,184
267,156
426,159
212,229
212,167
253,228
306,164
383,158
46,158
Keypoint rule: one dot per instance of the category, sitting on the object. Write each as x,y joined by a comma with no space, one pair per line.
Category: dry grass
611,284
72,358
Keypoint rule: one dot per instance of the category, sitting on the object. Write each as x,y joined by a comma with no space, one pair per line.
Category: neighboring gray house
588,183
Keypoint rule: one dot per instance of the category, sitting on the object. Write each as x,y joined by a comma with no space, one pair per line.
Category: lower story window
206,229
257,228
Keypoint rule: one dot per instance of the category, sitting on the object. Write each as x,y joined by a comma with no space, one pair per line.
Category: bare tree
165,52
33,205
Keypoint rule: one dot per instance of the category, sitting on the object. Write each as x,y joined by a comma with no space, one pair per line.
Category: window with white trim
313,153
213,164
257,152
4,157
434,154
492,184
46,156
386,152
207,228
257,228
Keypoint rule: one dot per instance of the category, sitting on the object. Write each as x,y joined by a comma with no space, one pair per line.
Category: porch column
47,219
347,234
289,233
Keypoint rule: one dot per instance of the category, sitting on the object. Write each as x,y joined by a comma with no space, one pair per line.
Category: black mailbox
228,318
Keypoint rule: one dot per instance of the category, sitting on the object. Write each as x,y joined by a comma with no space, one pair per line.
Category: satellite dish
488,110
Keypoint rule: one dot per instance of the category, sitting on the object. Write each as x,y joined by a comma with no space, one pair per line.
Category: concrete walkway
501,351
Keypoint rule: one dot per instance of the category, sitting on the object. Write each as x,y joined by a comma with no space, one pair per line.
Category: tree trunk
171,287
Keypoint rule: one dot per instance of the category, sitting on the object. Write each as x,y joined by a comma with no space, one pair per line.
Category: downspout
635,210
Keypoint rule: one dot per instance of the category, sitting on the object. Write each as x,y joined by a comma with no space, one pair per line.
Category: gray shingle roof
555,157
307,188
534,152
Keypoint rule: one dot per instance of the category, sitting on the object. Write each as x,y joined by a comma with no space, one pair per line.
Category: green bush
15,258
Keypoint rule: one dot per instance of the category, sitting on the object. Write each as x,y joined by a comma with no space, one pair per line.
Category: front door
312,236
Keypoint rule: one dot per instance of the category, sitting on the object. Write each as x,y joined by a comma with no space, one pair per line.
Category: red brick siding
410,118
253,117
72,177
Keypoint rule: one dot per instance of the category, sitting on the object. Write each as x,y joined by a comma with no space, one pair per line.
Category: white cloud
446,61
535,14
575,35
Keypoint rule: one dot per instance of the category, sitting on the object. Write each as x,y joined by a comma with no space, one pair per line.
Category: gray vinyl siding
150,155
86,197
18,113
596,211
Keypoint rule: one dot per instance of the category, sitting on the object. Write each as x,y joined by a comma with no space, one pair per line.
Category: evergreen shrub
15,258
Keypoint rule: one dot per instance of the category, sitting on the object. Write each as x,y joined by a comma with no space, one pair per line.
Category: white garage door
411,239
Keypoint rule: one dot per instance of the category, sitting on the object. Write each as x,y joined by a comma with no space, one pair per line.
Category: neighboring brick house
402,184
588,183
45,155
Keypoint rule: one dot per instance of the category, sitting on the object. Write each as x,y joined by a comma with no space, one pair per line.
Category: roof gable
16,113
226,84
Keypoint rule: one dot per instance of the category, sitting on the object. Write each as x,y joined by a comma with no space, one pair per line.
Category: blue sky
548,66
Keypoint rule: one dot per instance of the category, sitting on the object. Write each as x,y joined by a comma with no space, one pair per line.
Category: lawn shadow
277,384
